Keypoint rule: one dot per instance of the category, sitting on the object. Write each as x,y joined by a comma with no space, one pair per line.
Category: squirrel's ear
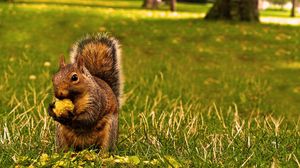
62,62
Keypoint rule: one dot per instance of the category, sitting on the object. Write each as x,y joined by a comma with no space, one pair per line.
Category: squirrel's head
70,80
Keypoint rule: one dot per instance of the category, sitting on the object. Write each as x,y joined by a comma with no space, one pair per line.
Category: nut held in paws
63,106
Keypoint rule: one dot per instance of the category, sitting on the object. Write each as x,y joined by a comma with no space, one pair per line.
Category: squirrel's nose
61,94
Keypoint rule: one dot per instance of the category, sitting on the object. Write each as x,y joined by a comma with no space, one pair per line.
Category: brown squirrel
92,82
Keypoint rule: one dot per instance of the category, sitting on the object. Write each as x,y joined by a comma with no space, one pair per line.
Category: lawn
203,93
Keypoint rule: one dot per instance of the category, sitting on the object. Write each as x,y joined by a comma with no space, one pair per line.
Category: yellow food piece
63,106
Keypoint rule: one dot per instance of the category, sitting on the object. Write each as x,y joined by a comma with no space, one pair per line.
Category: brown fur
100,54
95,54
81,104
95,95
98,136
102,134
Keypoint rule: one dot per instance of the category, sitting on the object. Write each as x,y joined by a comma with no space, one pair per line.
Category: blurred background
181,60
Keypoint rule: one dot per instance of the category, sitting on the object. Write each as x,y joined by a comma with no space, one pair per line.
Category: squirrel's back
100,55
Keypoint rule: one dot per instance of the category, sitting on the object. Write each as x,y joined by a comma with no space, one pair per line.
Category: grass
206,93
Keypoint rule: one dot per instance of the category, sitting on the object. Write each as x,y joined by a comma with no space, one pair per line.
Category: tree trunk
150,4
293,8
173,5
237,10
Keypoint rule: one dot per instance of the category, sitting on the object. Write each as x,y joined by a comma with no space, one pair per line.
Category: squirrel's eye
74,77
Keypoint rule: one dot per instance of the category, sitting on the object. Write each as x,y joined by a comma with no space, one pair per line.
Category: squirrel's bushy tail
101,56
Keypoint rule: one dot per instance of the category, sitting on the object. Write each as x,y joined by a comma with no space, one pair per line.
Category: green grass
277,12
207,93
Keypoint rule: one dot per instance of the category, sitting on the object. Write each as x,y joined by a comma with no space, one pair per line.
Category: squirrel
92,82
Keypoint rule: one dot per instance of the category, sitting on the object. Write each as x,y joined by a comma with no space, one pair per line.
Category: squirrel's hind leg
107,131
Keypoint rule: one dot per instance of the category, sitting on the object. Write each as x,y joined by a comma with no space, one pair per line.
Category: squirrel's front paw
50,109
63,118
